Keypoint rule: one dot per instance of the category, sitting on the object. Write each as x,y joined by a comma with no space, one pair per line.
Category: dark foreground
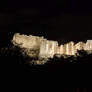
71,72
12,60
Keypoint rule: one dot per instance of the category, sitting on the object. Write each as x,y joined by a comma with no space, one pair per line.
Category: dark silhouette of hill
12,60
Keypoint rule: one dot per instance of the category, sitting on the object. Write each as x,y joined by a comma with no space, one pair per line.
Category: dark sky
62,20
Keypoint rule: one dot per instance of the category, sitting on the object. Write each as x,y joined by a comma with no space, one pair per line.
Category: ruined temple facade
48,48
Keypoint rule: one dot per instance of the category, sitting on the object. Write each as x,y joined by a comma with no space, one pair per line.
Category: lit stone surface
80,46
48,48
43,48
61,49
24,41
72,48
89,45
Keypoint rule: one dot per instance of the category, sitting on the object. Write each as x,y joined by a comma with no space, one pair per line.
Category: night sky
55,20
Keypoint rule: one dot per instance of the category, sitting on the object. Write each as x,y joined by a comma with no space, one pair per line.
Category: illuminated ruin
42,48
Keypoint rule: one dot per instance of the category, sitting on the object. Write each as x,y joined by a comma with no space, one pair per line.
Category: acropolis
42,48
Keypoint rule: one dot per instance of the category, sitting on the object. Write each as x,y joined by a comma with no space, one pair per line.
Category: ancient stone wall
48,48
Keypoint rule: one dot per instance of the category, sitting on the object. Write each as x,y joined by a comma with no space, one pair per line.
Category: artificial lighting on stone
44,49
